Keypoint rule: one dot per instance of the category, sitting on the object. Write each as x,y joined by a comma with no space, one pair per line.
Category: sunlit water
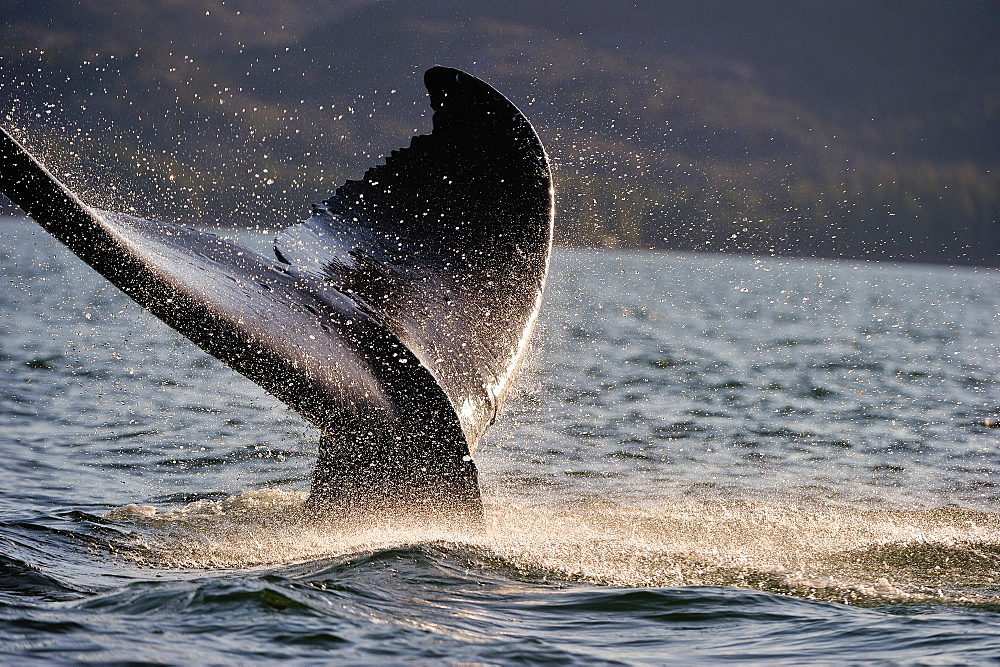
708,457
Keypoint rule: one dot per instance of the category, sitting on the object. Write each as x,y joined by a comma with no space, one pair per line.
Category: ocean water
709,458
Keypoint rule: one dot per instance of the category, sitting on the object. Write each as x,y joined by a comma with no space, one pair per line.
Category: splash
259,528
818,552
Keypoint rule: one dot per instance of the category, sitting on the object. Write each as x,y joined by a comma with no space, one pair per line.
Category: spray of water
822,552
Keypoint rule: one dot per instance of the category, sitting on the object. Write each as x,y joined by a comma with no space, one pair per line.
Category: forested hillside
854,129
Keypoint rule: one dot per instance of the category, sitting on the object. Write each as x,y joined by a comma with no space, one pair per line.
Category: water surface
708,457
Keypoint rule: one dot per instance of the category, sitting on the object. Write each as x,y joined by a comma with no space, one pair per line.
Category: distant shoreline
268,232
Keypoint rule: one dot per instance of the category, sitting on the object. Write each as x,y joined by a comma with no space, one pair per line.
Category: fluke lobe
393,319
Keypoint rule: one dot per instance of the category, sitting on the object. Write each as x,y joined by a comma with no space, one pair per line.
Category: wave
20,579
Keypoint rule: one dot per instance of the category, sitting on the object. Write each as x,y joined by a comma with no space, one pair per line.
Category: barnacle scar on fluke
393,319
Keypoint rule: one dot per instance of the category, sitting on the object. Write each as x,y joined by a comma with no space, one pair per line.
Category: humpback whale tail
394,318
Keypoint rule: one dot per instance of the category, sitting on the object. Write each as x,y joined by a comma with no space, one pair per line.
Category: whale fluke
393,319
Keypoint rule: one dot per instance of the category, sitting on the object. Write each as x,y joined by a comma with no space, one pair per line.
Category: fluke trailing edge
393,319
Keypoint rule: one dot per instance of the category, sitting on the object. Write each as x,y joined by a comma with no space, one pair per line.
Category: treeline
920,213
236,113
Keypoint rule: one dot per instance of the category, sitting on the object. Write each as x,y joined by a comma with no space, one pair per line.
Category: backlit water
708,457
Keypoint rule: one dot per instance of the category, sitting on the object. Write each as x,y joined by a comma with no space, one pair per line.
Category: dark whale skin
393,319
